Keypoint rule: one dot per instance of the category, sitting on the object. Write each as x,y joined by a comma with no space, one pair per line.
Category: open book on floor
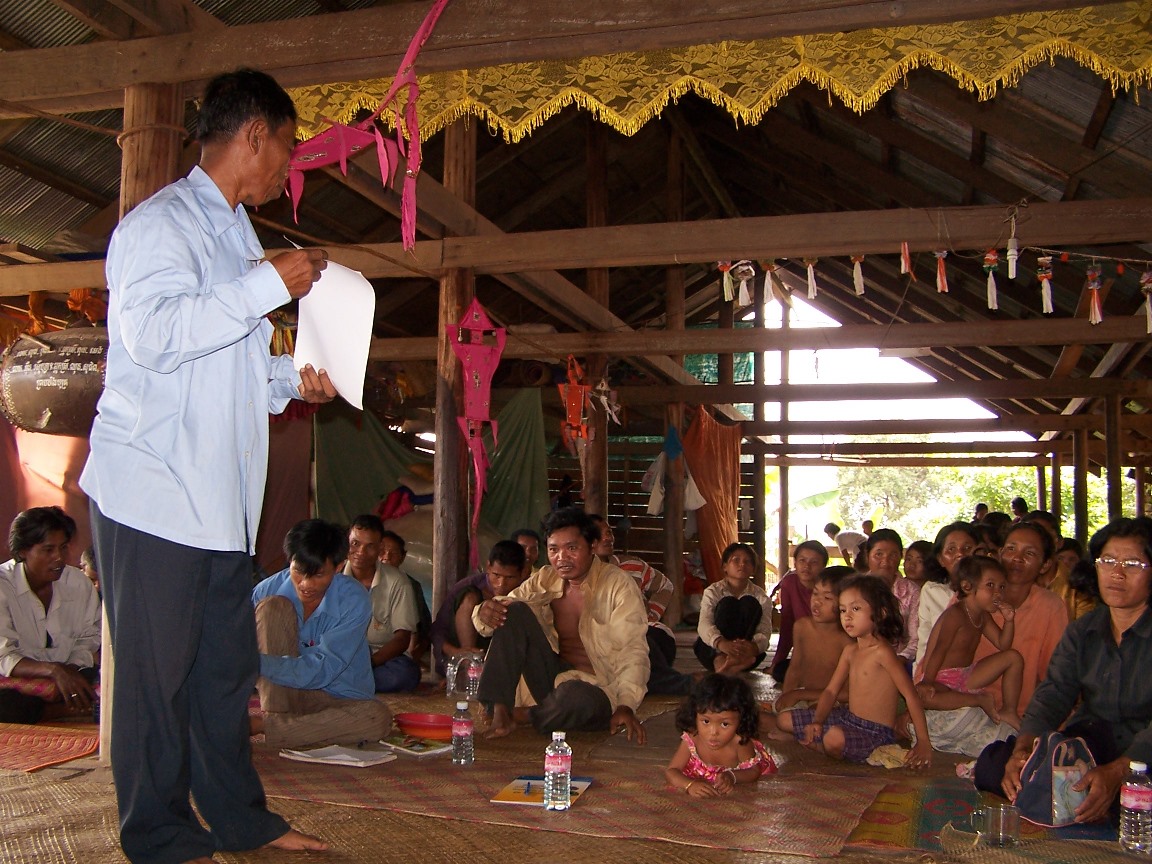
356,757
530,790
413,746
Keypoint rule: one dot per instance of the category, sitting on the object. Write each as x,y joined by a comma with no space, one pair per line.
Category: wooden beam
1025,388
100,17
1125,448
640,343
805,235
1030,423
169,16
471,34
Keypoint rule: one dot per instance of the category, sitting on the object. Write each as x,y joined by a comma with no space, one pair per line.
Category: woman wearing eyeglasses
1098,685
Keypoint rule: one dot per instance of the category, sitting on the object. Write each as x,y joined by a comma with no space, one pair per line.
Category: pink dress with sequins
697,769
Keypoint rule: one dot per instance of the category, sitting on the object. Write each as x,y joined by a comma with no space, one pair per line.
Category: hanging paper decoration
906,260
1013,248
812,289
941,271
1044,274
858,274
1095,310
729,287
991,265
336,143
574,397
743,271
773,287
606,396
479,360
1146,290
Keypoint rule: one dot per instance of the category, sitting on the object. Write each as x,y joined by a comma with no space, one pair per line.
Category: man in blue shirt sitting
315,682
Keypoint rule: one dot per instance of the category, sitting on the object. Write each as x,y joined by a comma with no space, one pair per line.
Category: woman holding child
1097,684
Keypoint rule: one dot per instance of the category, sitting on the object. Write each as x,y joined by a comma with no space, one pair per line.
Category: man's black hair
232,99
311,544
572,517
33,526
507,553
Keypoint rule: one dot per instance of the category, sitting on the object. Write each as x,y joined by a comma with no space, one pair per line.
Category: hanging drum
50,383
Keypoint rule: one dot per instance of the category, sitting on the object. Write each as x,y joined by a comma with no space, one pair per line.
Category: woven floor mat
798,815
62,822
30,748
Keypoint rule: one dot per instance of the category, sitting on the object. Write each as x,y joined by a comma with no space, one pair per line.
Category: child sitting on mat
718,723
876,678
950,678
819,641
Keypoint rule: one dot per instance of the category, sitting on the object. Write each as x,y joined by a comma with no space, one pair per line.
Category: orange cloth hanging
713,454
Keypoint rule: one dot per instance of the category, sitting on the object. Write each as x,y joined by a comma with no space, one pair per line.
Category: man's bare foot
294,841
502,722
988,705
722,664
1011,718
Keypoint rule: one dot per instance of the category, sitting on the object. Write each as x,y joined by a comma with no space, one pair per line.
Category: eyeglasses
1131,567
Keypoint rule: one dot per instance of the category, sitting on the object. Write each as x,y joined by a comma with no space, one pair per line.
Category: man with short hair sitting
393,602
575,630
315,680
453,634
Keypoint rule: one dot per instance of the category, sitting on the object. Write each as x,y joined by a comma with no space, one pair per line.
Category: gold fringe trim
769,69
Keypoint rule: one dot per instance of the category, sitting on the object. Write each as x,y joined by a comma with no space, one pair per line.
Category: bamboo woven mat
796,815
48,820
31,748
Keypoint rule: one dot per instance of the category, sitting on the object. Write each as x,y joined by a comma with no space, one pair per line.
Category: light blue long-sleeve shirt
179,448
334,653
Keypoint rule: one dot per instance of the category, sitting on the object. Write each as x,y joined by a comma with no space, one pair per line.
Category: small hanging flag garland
1095,311
906,261
991,265
1146,290
729,287
1044,274
744,271
858,275
941,271
812,289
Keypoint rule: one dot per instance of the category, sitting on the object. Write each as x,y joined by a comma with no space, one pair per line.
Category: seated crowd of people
996,633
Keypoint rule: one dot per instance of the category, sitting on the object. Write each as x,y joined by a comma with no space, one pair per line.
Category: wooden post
1112,433
595,462
785,483
150,148
1141,470
674,411
1080,484
1041,487
450,503
1057,507
760,459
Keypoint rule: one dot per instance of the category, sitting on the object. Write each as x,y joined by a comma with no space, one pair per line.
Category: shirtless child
818,643
575,631
951,680
876,679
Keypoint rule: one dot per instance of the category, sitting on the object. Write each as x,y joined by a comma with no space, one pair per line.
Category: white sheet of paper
335,329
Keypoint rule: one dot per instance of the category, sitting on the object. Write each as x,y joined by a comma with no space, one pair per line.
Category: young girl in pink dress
718,747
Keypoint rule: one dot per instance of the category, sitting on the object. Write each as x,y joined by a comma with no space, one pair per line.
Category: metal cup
998,824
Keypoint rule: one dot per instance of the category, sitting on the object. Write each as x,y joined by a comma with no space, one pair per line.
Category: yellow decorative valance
748,78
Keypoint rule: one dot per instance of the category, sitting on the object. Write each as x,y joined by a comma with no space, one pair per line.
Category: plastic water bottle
463,752
558,774
475,670
1136,810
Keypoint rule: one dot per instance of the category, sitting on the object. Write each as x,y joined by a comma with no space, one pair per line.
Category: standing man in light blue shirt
179,455
315,684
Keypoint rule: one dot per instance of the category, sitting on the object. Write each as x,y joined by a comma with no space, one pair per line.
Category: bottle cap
557,736
461,706
1140,767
